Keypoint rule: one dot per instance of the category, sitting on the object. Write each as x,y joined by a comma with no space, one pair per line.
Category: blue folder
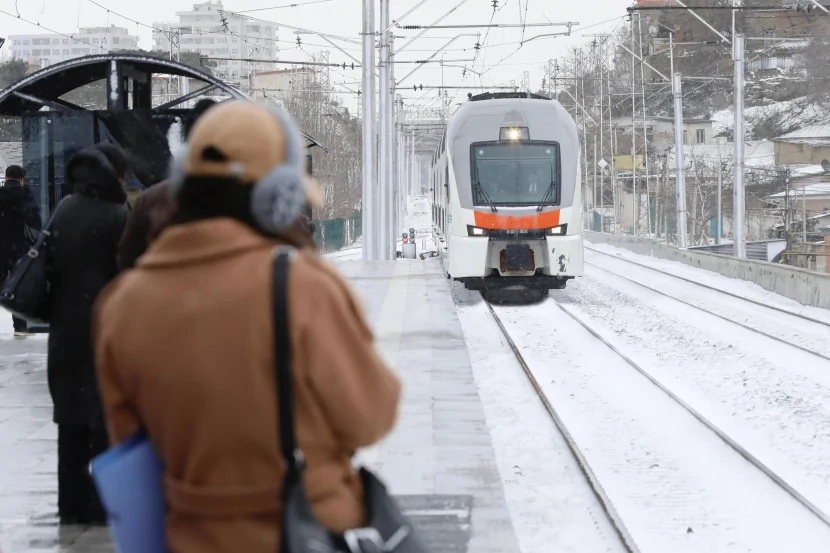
129,481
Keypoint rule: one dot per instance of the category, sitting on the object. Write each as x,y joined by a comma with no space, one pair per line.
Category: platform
439,460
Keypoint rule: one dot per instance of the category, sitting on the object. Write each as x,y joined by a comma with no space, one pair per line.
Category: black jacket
17,211
81,260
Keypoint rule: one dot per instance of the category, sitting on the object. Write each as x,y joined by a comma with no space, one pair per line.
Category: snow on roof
813,191
824,215
797,112
797,171
810,133
759,153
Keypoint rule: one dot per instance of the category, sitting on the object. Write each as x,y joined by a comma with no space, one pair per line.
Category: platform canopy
129,85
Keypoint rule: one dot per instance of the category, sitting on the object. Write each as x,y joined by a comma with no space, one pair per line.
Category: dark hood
91,174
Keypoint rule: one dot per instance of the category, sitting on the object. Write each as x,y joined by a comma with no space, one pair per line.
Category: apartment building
45,49
215,33
280,83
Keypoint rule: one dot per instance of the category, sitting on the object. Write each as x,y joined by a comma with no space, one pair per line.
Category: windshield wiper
547,197
548,193
480,189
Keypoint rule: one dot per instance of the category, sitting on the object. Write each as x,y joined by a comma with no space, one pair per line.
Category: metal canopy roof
46,86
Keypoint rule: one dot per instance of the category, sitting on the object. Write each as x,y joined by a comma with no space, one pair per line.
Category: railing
335,234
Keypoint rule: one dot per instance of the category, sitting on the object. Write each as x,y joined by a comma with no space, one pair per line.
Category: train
506,195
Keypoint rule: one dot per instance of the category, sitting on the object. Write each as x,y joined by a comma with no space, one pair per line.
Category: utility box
409,250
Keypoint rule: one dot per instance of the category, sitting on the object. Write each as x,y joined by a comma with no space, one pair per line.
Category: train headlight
514,133
561,230
476,231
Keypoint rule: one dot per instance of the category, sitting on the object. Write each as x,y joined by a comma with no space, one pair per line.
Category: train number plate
518,257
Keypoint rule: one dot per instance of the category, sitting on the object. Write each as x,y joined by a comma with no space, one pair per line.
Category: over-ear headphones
279,196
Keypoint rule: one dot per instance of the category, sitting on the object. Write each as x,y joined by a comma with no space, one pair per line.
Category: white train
507,204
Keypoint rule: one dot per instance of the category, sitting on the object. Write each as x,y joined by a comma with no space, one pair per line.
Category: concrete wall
806,287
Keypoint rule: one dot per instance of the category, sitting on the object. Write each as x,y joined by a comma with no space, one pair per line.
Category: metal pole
601,138
383,136
615,199
739,198
804,215
368,138
680,161
594,194
671,52
412,161
394,160
584,137
612,130
645,127
719,222
635,203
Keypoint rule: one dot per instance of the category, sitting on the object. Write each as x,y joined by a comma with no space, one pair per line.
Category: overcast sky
343,18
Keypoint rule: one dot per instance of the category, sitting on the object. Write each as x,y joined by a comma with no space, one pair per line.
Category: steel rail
613,516
728,440
738,296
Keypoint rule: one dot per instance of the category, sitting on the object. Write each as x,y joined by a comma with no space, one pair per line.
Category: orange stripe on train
545,219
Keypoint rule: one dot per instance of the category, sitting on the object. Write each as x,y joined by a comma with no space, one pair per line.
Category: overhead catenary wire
72,37
292,5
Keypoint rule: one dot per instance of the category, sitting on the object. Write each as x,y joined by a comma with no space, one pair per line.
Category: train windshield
515,173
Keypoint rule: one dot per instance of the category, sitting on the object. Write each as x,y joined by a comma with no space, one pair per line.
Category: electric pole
679,161
739,197
369,229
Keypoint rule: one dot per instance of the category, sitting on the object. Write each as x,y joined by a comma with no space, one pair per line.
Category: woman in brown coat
185,347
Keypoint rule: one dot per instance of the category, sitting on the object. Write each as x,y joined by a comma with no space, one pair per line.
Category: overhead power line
457,87
294,5
568,24
255,60
72,37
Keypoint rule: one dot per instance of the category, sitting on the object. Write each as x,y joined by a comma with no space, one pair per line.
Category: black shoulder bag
25,292
388,530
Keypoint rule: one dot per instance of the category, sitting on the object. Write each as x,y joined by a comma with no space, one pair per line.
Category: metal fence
754,250
335,234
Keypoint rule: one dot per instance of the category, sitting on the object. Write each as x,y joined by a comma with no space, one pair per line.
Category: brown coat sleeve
357,391
122,418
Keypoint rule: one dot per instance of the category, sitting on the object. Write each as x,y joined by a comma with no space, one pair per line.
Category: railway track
778,310
599,492
590,474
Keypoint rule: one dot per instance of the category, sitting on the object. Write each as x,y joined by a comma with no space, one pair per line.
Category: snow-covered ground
676,485
773,399
551,504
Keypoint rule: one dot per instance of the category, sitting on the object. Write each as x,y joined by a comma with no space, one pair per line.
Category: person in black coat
81,261
17,212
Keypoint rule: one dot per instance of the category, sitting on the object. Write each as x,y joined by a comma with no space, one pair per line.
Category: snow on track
551,504
774,401
733,285
789,329
678,486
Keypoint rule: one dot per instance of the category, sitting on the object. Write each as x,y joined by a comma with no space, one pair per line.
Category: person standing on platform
151,210
185,345
81,261
17,212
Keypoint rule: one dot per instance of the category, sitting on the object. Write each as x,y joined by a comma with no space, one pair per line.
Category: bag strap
282,357
54,214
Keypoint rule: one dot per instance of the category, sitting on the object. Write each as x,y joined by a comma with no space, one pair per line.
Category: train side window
447,178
